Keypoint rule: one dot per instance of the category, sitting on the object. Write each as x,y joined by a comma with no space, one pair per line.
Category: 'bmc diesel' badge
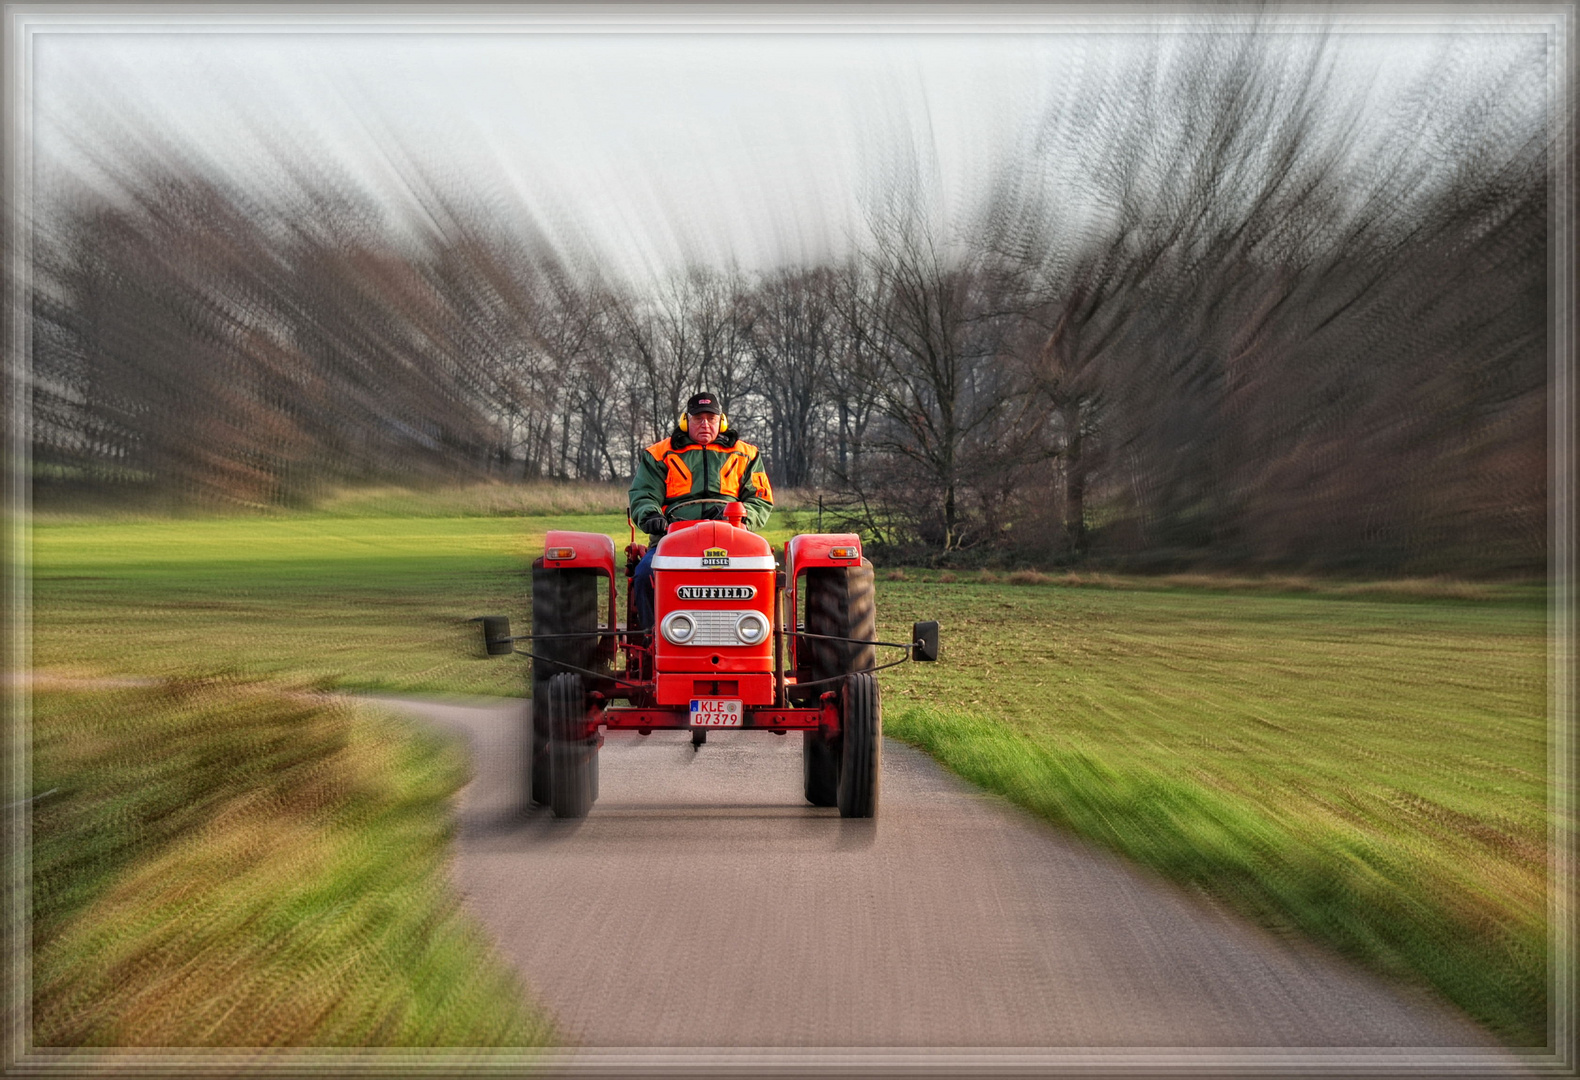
715,557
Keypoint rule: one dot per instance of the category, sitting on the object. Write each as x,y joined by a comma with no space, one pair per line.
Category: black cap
703,403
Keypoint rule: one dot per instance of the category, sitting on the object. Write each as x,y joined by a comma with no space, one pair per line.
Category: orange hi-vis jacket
673,475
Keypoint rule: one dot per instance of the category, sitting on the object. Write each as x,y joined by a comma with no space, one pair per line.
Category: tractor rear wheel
838,602
861,738
571,751
564,601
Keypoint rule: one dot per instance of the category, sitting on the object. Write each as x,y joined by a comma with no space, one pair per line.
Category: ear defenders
724,423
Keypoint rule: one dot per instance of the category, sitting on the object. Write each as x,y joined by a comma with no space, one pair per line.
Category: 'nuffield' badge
715,557
716,592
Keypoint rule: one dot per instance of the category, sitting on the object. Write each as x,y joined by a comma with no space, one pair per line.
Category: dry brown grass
1284,583
1399,588
796,500
1288,584
1433,588
1029,577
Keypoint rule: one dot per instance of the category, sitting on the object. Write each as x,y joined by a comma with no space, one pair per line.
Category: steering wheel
720,503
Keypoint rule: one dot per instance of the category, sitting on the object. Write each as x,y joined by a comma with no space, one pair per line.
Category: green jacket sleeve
757,495
647,488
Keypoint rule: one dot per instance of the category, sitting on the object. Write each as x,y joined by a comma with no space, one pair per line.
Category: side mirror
496,635
925,635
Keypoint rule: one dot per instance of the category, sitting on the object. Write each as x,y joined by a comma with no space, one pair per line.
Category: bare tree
853,381
793,335
937,331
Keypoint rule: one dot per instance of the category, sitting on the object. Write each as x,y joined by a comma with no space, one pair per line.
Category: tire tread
570,754
564,601
862,749
839,601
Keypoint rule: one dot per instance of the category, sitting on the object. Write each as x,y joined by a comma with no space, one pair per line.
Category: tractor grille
715,627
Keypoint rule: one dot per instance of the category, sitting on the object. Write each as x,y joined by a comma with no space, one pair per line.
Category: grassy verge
222,865
1361,762
1369,773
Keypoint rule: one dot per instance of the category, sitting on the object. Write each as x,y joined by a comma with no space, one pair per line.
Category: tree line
1212,313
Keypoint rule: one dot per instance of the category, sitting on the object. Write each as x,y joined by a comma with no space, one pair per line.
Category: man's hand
654,525
713,512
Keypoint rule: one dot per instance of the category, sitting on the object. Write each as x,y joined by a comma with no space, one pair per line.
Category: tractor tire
571,752
819,769
563,602
861,723
839,602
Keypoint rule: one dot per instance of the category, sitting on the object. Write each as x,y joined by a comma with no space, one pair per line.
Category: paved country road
703,905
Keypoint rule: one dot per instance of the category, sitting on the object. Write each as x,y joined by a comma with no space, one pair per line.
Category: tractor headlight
679,628
751,628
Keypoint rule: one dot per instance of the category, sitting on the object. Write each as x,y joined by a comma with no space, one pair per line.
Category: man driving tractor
741,640
690,476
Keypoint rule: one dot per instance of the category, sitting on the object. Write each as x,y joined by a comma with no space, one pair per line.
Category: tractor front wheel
571,752
819,769
861,739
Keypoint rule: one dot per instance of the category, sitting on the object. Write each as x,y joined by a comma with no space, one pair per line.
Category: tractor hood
712,545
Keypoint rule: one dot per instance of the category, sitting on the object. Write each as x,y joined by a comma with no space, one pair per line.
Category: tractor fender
593,551
817,549
806,551
587,551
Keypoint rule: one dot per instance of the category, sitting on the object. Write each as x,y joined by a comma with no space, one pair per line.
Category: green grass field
354,602
1364,766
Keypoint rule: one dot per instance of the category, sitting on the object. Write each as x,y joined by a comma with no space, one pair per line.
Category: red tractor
726,616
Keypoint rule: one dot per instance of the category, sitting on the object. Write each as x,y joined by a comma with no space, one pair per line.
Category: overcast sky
651,148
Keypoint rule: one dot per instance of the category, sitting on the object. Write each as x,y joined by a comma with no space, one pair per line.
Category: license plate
715,712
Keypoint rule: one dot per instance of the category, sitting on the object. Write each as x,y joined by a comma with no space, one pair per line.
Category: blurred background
1261,295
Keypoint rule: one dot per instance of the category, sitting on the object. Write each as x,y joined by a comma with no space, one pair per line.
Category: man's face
702,427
